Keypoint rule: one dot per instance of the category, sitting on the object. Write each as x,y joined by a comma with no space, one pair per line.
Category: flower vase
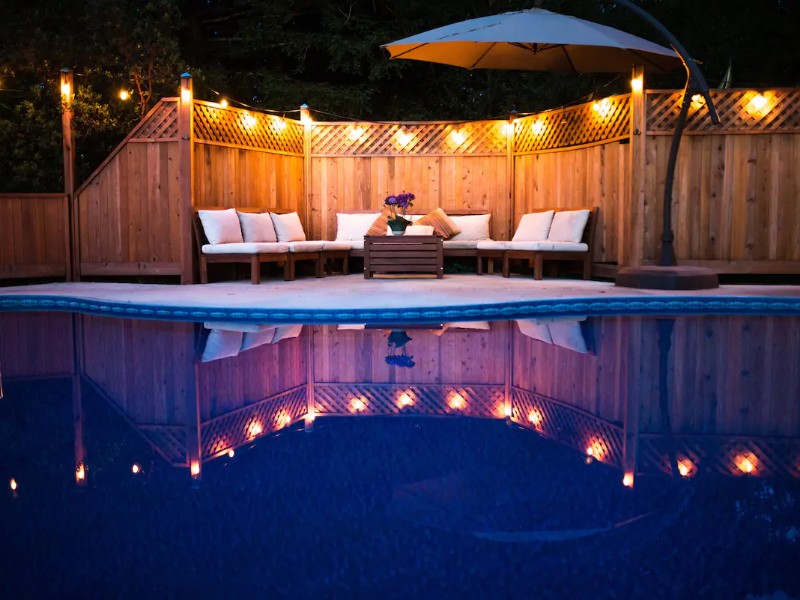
398,225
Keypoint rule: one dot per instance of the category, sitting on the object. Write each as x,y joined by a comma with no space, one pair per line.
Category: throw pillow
568,226
441,223
257,227
352,227
288,227
221,226
474,228
533,227
380,224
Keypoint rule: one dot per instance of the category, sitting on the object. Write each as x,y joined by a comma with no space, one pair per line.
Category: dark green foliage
278,55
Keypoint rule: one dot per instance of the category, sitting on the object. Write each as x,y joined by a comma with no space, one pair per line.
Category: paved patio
353,292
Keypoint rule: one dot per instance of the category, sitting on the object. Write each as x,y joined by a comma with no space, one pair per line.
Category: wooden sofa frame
536,258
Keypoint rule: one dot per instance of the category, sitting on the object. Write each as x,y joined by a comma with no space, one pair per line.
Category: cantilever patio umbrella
535,40
541,40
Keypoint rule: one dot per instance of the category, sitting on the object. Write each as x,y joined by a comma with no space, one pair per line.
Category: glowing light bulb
405,399
637,85
602,108
13,485
65,90
195,468
403,138
759,101
279,124
508,128
124,95
698,101
627,480
249,120
186,95
223,103
136,468
231,453
538,127
356,133
458,137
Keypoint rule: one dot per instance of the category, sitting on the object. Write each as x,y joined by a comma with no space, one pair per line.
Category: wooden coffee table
403,254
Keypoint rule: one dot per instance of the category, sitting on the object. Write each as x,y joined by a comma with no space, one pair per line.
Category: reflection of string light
747,463
535,417
457,401
13,485
405,399
627,480
195,468
254,428
282,419
231,453
596,449
358,404
507,412
686,468
136,468
80,472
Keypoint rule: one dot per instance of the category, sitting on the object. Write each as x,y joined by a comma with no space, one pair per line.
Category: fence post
185,162
630,250
305,119
68,152
511,175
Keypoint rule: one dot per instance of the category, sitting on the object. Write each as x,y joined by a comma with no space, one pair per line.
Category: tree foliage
325,53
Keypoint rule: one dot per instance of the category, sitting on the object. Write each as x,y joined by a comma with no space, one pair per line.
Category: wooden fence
34,236
735,200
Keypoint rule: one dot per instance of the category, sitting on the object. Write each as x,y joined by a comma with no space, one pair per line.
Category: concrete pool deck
335,297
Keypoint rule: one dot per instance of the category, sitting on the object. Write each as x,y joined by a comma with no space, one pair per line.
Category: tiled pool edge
663,305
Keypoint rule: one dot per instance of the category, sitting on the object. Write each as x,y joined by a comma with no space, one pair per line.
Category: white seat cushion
357,245
230,326
288,227
568,226
460,244
351,326
326,245
473,227
313,246
257,227
222,344
351,227
242,248
221,226
547,246
491,245
533,227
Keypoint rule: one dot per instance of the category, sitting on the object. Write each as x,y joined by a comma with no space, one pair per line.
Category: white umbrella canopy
535,40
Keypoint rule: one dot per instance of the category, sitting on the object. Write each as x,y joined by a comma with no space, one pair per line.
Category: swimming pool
561,455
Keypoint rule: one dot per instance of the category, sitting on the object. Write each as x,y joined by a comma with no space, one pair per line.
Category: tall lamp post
667,274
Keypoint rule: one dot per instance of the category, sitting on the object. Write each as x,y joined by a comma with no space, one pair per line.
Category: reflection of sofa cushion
351,326
565,332
533,227
283,332
222,344
473,325
258,338
221,226
533,329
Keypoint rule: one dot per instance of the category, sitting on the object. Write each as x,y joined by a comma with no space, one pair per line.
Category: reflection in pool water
627,449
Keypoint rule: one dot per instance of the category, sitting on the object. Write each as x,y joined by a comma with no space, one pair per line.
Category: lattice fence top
601,121
161,123
426,139
246,129
740,111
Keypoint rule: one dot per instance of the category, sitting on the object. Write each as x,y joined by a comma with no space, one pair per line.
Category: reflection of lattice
392,399
169,441
245,129
256,420
387,139
568,425
740,111
602,121
160,123
760,457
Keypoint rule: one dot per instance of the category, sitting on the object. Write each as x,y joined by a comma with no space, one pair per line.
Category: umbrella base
667,278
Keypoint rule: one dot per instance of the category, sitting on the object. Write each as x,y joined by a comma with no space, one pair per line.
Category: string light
249,120
603,107
758,104
458,137
124,94
65,90
403,138
186,95
538,127
637,85
223,103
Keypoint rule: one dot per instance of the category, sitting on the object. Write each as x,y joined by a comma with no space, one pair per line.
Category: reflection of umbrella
534,40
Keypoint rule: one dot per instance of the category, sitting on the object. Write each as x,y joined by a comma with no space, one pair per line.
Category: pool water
603,457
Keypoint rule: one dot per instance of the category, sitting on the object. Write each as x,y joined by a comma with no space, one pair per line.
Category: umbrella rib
569,60
409,50
647,60
480,58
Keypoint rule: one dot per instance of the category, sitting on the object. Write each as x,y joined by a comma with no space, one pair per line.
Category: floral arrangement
397,341
401,202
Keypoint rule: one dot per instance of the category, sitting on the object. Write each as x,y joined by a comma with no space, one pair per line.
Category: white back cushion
568,226
253,340
419,230
221,226
535,330
568,335
222,344
288,227
473,227
353,227
283,332
533,227
257,227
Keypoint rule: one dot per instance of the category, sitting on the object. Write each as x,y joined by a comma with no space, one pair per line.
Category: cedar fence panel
34,241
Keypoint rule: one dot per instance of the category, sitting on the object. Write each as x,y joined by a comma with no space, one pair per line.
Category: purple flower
402,201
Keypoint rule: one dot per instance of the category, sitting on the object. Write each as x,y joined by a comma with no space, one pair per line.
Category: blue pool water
559,457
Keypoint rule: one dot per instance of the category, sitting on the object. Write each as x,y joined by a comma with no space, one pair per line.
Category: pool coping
545,307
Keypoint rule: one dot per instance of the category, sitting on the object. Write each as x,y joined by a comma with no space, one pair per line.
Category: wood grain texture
34,240
36,345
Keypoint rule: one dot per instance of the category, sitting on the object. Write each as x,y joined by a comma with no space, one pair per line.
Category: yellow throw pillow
441,223
380,224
